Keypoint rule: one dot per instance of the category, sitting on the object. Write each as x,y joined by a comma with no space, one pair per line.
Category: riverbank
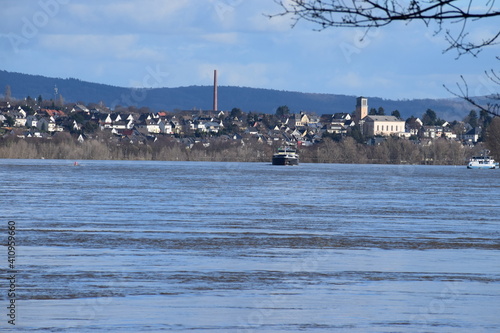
391,151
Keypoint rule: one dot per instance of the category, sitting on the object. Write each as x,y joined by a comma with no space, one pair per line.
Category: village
190,127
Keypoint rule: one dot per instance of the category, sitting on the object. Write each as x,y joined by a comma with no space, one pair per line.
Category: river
141,246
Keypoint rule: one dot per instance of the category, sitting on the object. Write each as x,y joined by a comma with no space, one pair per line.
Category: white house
472,135
166,127
153,125
19,117
212,126
49,124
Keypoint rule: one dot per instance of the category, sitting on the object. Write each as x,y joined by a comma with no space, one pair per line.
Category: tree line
391,151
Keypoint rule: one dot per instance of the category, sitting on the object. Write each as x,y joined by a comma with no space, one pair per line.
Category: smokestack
215,90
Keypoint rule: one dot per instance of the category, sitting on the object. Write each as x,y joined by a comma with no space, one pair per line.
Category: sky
174,43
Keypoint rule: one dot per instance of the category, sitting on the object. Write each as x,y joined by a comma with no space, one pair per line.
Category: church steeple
361,108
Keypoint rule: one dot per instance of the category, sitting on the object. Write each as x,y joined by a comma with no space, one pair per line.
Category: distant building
413,125
472,135
383,125
80,108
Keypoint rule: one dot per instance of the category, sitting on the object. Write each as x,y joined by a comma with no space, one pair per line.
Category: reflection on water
251,247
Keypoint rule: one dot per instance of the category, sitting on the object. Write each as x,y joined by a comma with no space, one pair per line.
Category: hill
200,97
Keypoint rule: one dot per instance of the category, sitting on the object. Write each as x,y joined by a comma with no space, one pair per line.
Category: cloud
147,11
88,44
223,38
121,47
143,12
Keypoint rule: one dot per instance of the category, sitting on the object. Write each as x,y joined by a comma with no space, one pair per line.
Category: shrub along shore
391,151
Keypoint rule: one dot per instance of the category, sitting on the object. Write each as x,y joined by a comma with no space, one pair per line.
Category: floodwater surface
133,246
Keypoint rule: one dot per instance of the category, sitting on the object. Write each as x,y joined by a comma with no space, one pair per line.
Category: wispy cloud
88,45
133,13
120,47
223,38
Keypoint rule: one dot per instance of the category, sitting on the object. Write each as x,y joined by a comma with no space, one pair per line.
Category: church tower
361,108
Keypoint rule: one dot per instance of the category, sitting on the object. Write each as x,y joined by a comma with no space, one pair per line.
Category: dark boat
286,156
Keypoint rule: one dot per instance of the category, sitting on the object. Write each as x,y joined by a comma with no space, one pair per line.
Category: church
376,125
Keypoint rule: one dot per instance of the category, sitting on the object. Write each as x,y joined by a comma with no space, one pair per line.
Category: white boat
286,156
482,162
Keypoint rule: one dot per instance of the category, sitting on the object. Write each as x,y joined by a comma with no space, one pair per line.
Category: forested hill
200,97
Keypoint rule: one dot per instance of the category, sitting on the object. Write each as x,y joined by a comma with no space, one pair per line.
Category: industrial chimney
215,90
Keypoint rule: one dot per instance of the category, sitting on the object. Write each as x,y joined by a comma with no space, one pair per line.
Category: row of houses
55,121
304,128
156,123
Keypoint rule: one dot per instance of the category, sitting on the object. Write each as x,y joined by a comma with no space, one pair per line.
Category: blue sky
157,43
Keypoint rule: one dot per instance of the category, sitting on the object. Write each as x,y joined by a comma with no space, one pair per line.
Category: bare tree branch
490,108
379,13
